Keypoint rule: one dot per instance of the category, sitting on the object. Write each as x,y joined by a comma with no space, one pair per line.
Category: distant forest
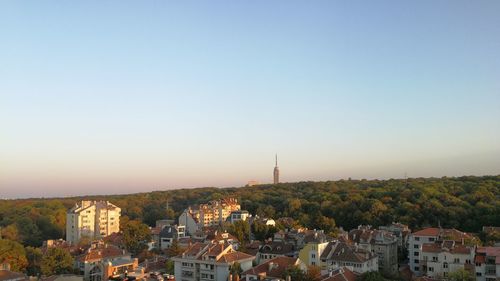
466,203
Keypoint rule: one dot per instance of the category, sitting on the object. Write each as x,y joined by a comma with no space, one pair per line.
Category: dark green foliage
56,261
465,203
13,253
136,235
371,276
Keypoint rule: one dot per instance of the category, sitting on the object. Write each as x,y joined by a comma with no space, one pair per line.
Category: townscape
218,240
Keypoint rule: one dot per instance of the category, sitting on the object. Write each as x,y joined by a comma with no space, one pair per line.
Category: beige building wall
93,219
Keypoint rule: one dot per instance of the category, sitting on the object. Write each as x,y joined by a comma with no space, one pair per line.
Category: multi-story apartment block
401,231
92,219
102,262
382,243
209,261
417,239
340,254
440,258
210,214
487,263
238,216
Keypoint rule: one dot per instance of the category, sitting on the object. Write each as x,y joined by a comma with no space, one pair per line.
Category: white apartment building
214,213
340,254
487,263
431,235
440,258
93,219
209,261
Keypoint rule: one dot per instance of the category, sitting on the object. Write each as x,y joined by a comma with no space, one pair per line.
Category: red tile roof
431,231
272,268
342,274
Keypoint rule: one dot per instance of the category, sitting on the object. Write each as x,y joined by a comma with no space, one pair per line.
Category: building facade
487,263
211,214
340,254
92,219
382,243
427,236
209,261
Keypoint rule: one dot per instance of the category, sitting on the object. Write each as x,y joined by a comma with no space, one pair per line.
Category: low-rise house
315,244
103,261
170,233
7,275
440,258
487,263
383,243
240,215
340,254
432,235
273,269
209,261
273,250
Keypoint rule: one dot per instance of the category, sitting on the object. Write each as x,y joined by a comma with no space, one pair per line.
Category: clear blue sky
128,96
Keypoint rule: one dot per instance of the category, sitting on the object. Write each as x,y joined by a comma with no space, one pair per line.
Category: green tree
170,267
235,269
461,275
34,256
174,249
56,261
14,254
371,276
295,273
136,235
10,232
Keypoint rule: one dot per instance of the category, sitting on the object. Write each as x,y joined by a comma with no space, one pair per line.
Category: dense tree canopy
465,203
136,235
56,261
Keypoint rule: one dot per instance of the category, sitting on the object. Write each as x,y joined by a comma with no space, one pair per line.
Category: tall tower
276,172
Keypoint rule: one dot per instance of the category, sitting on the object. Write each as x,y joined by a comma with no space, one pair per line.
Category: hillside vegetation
465,203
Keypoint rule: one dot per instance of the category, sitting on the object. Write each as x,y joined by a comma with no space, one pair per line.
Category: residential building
340,254
313,243
92,219
102,262
211,214
241,215
417,239
401,231
380,242
7,275
274,249
272,270
170,233
209,261
487,263
440,258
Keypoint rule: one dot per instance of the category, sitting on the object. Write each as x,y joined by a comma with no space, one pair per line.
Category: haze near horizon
123,96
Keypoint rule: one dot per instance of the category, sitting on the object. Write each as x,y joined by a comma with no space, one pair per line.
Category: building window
431,239
457,260
313,256
417,261
434,259
416,246
445,265
416,254
417,238
479,274
431,269
416,268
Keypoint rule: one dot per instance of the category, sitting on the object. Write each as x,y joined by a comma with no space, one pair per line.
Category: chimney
271,266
